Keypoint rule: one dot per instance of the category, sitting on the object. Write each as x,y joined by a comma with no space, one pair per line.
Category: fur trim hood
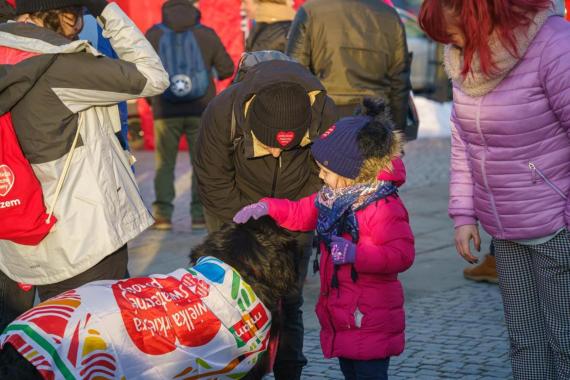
388,168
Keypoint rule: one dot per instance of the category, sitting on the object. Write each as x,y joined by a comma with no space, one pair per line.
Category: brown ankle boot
485,271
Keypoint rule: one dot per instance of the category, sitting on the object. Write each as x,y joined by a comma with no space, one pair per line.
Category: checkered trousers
535,286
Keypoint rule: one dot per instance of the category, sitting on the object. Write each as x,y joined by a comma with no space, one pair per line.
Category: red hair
478,18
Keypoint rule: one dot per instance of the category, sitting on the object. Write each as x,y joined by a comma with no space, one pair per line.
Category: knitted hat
280,115
30,6
338,148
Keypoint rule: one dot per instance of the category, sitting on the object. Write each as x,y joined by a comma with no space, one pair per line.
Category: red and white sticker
160,313
7,179
285,137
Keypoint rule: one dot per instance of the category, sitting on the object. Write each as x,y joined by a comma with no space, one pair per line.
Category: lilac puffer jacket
510,164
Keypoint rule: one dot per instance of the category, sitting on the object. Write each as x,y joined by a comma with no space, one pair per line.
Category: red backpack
23,217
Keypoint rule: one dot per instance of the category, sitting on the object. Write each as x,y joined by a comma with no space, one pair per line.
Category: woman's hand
463,235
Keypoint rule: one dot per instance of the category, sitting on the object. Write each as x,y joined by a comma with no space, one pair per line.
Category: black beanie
280,115
31,6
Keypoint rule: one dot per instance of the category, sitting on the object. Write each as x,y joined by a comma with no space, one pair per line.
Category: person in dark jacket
172,120
254,143
6,11
365,54
271,22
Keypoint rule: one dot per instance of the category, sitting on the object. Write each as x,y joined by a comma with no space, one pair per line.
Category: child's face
333,180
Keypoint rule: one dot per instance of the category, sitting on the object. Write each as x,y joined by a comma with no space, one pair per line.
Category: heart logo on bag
162,313
6,180
285,137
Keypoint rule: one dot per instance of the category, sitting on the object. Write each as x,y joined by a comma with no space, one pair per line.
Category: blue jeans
364,369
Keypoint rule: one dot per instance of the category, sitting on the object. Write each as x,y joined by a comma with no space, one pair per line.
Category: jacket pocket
537,173
343,313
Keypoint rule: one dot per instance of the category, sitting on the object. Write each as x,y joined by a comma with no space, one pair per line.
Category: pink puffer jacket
385,248
510,164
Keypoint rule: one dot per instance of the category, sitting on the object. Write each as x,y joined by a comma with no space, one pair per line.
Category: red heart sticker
161,313
6,180
285,137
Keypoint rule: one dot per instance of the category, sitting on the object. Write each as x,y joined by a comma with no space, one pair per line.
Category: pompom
376,138
372,107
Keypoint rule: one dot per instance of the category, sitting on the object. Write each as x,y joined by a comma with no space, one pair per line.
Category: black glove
95,7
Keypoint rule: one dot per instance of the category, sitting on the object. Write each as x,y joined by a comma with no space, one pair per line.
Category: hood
267,73
26,53
273,12
476,82
388,168
397,174
180,15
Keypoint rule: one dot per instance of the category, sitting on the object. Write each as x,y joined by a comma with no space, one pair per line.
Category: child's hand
255,211
342,251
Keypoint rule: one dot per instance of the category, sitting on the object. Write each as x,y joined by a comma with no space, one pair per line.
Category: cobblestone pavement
457,334
455,328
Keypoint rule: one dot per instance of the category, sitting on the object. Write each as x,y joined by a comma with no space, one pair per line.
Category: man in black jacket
172,120
253,143
357,48
271,22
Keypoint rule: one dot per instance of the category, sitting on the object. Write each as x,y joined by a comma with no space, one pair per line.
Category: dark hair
375,138
477,18
263,253
50,18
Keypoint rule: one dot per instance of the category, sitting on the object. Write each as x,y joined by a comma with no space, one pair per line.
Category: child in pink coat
364,237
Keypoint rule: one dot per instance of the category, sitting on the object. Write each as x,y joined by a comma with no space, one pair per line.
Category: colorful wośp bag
23,217
203,322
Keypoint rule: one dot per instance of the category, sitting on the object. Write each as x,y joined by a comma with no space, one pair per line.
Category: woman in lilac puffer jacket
509,61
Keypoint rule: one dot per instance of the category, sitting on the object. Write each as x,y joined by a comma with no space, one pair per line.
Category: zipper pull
280,162
532,172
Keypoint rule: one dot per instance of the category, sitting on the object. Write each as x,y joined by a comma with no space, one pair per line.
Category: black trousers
290,359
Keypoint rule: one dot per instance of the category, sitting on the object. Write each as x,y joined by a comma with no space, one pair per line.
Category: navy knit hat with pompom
345,146
337,149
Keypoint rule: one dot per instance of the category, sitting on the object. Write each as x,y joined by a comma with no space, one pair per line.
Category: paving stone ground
455,328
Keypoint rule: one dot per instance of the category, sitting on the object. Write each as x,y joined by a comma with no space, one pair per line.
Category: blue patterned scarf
337,208
337,214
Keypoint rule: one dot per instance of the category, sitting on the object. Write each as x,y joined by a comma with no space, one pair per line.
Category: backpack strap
63,173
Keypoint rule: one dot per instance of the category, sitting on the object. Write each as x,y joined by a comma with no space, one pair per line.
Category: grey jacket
68,86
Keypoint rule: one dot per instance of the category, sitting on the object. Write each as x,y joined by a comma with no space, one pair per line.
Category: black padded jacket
268,36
